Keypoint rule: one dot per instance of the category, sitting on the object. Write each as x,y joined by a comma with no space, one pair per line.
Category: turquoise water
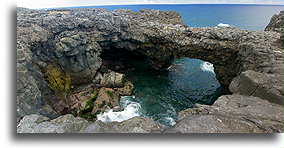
250,17
162,94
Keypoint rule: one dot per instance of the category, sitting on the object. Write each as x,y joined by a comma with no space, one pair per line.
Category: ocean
249,17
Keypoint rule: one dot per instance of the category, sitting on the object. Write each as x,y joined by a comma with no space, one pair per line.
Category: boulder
262,85
98,78
232,114
133,125
214,123
113,79
107,98
69,124
40,124
127,90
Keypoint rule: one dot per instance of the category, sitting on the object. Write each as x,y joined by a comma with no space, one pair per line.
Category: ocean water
249,17
160,95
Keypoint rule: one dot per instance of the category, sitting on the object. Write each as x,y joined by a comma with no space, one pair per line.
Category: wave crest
131,109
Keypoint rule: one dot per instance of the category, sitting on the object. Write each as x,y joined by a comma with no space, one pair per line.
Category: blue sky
70,3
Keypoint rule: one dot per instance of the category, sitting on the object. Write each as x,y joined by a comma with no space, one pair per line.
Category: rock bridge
73,40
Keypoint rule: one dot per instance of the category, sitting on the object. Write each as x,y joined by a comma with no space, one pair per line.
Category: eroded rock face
133,125
40,124
232,114
265,86
70,124
276,23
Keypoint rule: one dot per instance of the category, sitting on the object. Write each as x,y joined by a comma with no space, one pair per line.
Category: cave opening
122,60
160,94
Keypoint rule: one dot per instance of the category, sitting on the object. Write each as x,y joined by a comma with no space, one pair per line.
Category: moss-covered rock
59,81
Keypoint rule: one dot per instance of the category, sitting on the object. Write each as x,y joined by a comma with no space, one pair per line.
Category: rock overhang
73,40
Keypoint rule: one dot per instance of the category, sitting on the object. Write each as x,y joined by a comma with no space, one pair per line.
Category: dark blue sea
250,17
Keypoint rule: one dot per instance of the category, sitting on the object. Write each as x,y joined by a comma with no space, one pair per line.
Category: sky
33,4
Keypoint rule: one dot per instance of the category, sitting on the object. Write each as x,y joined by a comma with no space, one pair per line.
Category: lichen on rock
59,81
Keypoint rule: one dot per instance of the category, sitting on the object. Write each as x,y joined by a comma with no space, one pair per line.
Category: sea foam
206,66
131,109
223,25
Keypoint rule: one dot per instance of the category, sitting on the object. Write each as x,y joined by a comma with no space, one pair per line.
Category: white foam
223,25
171,121
131,109
206,66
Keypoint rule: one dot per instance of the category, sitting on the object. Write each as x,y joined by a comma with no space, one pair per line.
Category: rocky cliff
276,23
59,50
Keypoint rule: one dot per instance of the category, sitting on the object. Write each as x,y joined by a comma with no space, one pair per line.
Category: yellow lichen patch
58,81
146,45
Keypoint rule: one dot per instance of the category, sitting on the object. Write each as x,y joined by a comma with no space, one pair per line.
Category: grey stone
133,125
276,23
262,85
233,114
70,124
113,79
213,123
40,124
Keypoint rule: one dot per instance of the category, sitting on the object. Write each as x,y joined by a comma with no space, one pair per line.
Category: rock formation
58,50
232,114
276,23
70,124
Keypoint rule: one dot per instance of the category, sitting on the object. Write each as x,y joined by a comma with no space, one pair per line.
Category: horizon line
263,4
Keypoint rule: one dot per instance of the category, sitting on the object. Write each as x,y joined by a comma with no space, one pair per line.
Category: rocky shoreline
62,69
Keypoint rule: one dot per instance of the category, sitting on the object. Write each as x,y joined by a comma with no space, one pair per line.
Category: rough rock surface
266,86
133,125
70,124
40,124
113,79
72,40
276,23
232,114
106,98
229,114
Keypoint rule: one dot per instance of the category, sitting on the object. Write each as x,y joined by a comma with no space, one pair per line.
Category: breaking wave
206,66
131,109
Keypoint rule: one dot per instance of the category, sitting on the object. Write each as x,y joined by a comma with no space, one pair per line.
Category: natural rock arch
73,40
